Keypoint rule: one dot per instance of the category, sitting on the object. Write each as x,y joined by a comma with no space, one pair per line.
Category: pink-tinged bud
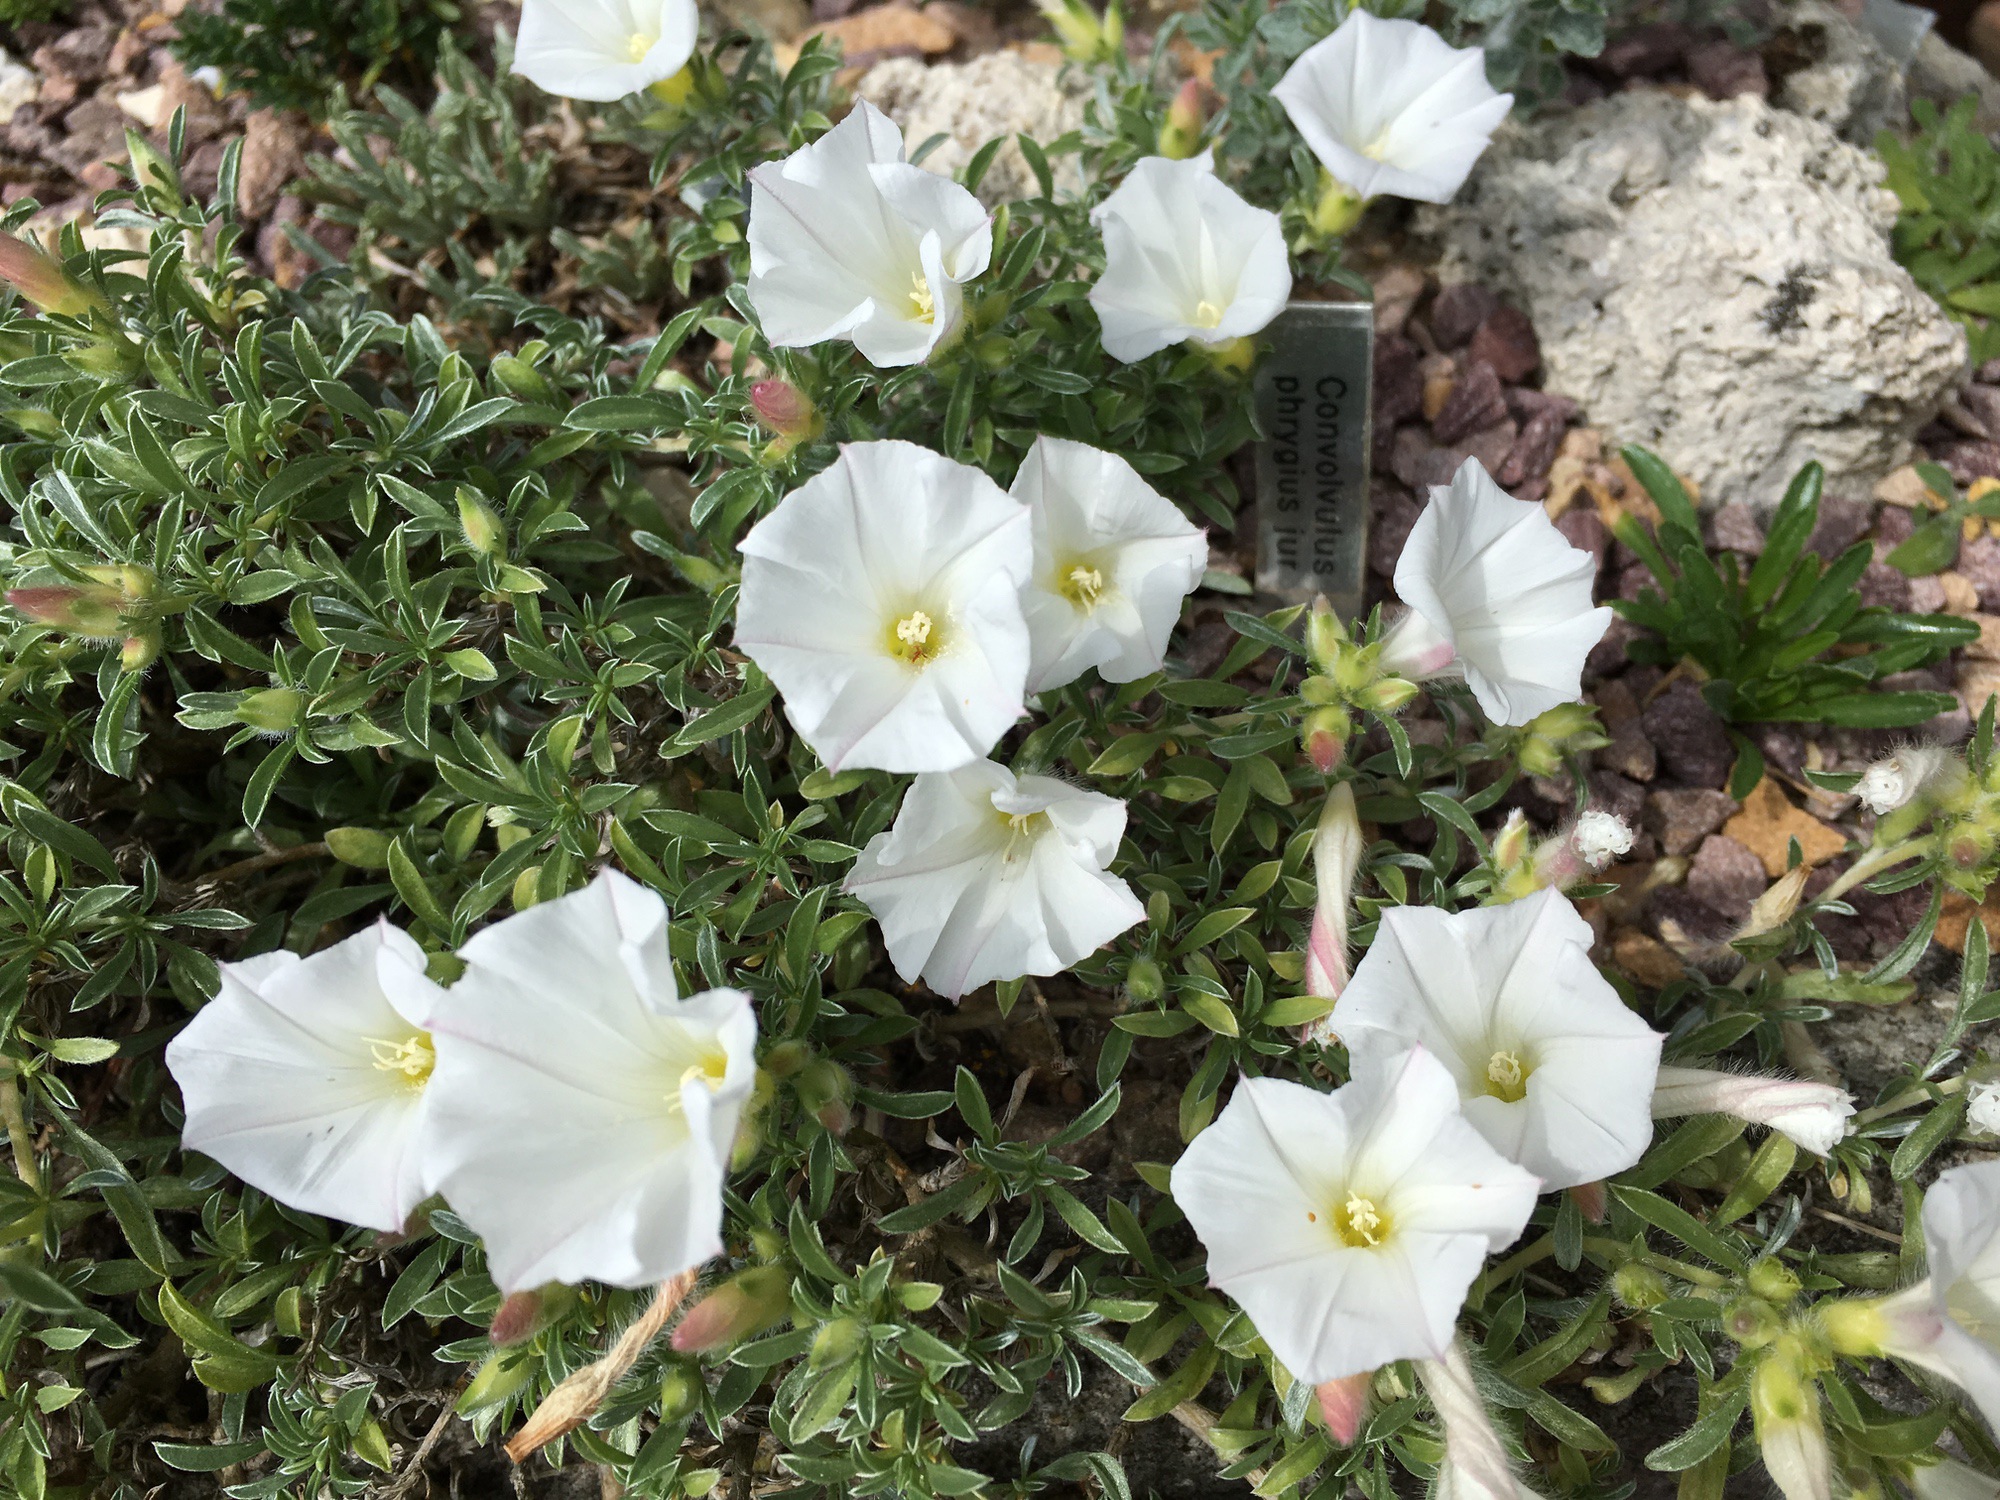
1324,738
1337,848
826,1089
525,1314
1812,1115
139,651
1510,845
40,279
786,410
1187,117
746,1304
1325,634
1343,1404
1589,1199
85,611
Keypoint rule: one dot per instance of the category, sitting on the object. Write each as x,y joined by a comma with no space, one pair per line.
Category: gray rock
999,94
19,85
1689,738
1726,877
1681,817
1712,280
1848,83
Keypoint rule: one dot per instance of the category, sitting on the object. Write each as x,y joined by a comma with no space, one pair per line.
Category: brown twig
260,862
570,1404
413,1470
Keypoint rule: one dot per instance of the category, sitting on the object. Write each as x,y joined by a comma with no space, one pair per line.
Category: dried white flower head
603,49
1349,1225
1813,1115
1391,107
1601,837
1495,593
310,1077
1982,1106
1114,558
988,876
582,1111
1896,779
1551,1065
883,597
1186,260
849,241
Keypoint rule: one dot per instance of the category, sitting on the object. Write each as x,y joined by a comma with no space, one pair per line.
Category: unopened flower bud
826,1090
1143,980
1813,1115
1324,738
503,1375
1387,695
1085,37
273,710
40,279
681,1390
1337,848
1751,1321
139,651
745,1305
786,410
80,610
1187,117
1343,1405
484,531
1639,1287
1337,210
1510,845
1773,1280
524,1314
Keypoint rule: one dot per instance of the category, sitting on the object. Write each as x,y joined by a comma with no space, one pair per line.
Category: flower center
1507,1076
1081,584
1207,314
1359,1223
637,45
1377,149
923,306
915,638
412,1059
1022,831
710,1067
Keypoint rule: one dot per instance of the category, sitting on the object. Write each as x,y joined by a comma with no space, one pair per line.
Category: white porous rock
1712,280
19,85
999,94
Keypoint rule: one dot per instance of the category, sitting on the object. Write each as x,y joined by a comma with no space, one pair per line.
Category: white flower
1185,259
1889,783
849,241
1553,1069
1948,1479
1113,560
309,1077
1349,1225
582,1112
1495,592
988,876
883,598
1813,1115
1476,1465
603,49
1982,1106
1601,837
1948,1323
1391,107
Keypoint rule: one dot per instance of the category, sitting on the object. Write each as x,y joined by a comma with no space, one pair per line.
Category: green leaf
1679,1223
1709,1433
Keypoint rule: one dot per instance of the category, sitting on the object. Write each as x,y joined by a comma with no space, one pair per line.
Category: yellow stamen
916,637
1360,1224
711,1070
1207,315
923,306
1082,585
1506,1076
637,45
1022,831
413,1057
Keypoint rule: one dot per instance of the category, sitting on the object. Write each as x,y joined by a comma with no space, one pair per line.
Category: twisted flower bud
1812,1115
1337,848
